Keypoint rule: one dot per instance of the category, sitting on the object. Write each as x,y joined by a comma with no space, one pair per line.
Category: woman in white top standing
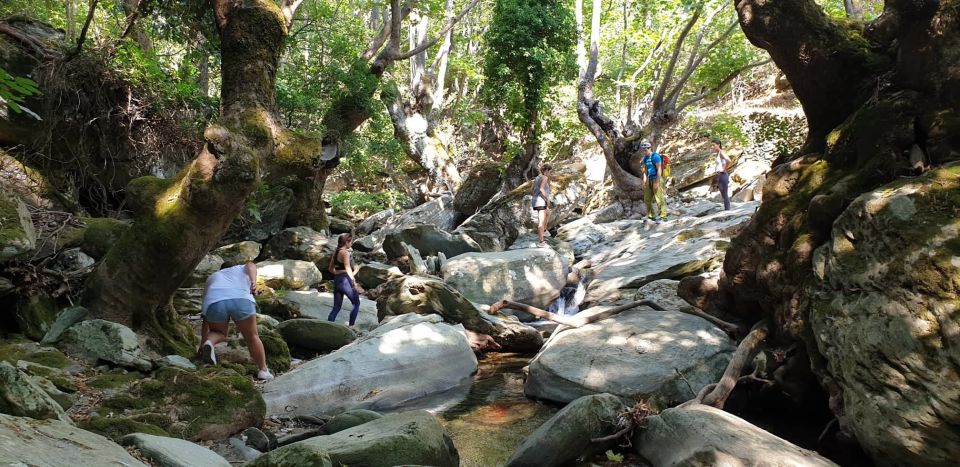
723,178
229,295
541,200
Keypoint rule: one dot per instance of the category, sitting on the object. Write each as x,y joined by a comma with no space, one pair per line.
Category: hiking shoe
656,220
264,375
546,233
207,354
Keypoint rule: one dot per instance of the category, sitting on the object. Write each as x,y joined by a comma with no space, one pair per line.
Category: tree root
716,394
631,419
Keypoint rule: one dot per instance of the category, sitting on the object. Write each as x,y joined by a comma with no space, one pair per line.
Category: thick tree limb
289,8
744,354
86,27
671,67
429,43
542,314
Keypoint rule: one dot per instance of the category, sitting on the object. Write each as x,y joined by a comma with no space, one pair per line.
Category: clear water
494,417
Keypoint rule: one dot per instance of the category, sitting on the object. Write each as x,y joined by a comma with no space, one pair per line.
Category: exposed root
631,419
718,393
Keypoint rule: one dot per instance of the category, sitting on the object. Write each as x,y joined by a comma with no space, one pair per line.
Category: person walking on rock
723,178
229,295
541,200
344,282
653,183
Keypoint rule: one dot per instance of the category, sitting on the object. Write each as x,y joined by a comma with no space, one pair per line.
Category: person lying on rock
229,295
344,282
541,200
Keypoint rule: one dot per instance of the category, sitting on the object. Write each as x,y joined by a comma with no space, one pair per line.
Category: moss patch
101,234
113,380
278,353
35,315
212,403
118,427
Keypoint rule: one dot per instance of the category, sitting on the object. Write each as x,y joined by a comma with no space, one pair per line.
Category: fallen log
542,314
744,354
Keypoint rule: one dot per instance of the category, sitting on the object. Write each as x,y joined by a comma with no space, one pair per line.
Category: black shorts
539,208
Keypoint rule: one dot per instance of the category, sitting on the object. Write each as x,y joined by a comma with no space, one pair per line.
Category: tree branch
678,46
427,44
86,27
744,354
689,71
733,75
289,8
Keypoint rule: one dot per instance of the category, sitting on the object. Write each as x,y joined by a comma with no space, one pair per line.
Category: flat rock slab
21,395
315,334
409,438
532,276
173,452
317,305
408,358
634,354
25,441
703,435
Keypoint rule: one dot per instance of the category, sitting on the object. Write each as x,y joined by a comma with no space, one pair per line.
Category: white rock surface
531,276
174,452
289,273
317,305
408,358
25,441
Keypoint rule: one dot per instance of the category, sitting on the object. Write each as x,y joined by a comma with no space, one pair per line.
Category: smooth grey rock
393,365
240,252
16,228
438,212
301,243
316,334
257,439
372,275
374,221
424,295
408,438
208,265
267,320
63,399
350,419
66,318
188,300
74,260
702,435
662,291
428,240
246,453
26,441
530,240
272,207
178,361
884,315
531,276
173,452
288,273
634,354
98,340
565,437
22,397
317,305
417,264
339,226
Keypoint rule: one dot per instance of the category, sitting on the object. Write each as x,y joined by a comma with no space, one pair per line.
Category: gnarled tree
179,220
850,254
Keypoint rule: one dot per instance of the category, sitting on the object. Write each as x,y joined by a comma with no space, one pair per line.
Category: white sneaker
546,233
208,354
264,375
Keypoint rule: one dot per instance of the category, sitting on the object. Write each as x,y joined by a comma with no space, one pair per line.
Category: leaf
614,457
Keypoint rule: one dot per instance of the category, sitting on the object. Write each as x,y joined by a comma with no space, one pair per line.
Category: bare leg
216,332
541,226
248,328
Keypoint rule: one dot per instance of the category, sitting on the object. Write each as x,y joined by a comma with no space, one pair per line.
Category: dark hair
546,168
716,141
343,239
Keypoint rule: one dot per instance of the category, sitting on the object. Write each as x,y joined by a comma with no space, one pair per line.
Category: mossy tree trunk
180,220
873,94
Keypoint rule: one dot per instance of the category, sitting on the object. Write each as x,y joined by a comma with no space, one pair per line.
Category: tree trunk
853,9
131,9
71,22
180,220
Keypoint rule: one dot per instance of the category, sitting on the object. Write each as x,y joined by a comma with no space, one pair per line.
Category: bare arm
345,259
251,270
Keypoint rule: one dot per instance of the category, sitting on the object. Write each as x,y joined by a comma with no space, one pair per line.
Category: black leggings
723,180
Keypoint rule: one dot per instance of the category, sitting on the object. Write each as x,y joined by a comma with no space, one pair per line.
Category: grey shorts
237,309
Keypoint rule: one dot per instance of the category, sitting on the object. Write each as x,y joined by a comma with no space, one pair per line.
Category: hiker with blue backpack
653,183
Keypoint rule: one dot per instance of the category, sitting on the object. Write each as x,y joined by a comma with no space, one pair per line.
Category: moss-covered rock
17,235
116,427
350,419
315,334
21,396
103,341
100,234
35,315
209,404
114,380
276,349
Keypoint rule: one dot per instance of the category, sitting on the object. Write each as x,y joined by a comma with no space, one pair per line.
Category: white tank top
721,166
226,284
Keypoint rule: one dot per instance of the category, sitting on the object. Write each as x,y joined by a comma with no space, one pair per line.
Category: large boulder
301,243
17,235
372,275
208,265
566,436
239,253
288,274
480,185
317,305
25,441
315,334
374,221
21,396
498,223
266,219
173,452
428,240
97,341
35,315
209,404
533,276
393,365
350,419
656,355
409,438
884,315
702,435
424,295
438,212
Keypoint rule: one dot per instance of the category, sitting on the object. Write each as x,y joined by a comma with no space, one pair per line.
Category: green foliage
786,134
362,203
728,129
614,457
530,48
13,90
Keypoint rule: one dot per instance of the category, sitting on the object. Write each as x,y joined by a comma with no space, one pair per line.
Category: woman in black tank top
344,283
